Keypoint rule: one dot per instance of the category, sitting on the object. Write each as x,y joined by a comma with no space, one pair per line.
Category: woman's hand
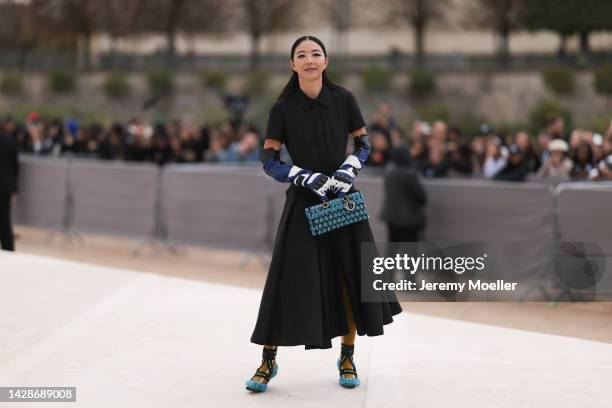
341,183
318,183
342,179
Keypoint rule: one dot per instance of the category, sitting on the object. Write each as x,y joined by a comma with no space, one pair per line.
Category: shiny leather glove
318,183
343,178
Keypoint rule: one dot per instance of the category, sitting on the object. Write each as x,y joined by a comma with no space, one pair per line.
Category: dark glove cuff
269,153
363,141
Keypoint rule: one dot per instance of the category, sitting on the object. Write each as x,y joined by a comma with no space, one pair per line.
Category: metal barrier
214,206
239,207
116,198
584,211
43,192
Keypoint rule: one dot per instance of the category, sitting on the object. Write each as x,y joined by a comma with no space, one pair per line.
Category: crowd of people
440,150
436,149
136,140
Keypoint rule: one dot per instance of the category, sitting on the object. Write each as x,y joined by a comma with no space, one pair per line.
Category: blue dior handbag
336,213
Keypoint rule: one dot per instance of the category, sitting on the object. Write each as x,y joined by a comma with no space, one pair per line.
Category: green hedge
376,79
560,80
602,80
11,84
422,83
335,76
161,81
257,83
116,86
546,109
214,80
433,112
62,82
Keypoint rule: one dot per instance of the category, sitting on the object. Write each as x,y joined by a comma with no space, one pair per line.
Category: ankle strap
347,349
269,354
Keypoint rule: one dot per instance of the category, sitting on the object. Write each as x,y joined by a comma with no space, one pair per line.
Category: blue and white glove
343,178
318,183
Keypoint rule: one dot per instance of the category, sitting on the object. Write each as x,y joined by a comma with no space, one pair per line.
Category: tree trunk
23,58
504,47
419,43
87,51
170,46
562,51
585,48
113,52
254,61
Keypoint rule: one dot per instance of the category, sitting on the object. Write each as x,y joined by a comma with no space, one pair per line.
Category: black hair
576,153
293,83
400,155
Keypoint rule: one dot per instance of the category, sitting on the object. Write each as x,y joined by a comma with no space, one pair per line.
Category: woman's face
522,140
492,149
309,61
583,153
379,142
477,145
556,158
417,149
575,139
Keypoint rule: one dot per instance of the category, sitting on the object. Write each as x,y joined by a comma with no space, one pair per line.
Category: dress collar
306,101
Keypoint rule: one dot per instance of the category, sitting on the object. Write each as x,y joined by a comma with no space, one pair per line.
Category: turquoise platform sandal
269,355
346,352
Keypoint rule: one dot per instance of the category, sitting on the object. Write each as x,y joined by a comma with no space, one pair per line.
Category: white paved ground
134,339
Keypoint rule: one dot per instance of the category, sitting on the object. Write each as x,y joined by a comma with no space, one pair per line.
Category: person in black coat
9,167
404,198
517,167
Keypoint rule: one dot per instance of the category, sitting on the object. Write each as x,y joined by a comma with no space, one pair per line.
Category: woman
312,291
583,162
523,141
494,161
557,166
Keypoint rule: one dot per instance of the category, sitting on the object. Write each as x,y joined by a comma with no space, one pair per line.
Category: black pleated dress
302,300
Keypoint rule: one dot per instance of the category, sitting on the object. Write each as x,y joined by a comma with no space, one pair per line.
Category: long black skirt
302,301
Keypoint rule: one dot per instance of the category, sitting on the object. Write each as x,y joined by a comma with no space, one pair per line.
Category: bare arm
359,132
272,144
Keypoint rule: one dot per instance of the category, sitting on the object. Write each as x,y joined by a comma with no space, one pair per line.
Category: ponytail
291,86
328,82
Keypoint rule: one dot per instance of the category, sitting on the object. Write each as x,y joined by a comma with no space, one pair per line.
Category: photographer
517,167
437,164
404,198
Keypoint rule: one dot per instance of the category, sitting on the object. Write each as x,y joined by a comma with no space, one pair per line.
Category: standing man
9,167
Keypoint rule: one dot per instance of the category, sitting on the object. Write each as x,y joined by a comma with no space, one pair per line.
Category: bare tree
174,16
503,16
340,18
260,17
120,17
419,14
80,18
18,29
